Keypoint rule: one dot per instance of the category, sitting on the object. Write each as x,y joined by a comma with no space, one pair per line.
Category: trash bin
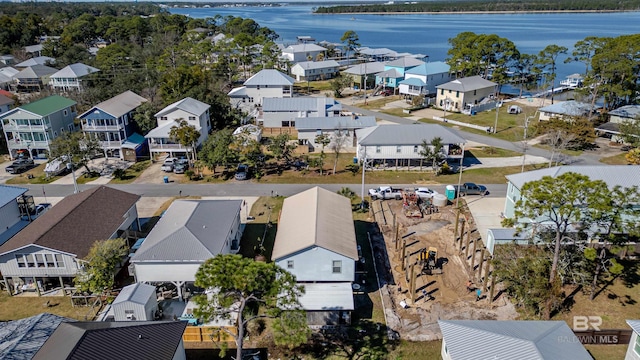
450,192
355,160
166,179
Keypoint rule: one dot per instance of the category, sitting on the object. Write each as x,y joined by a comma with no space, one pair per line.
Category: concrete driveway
486,212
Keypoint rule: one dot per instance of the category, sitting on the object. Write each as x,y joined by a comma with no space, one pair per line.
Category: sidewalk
100,164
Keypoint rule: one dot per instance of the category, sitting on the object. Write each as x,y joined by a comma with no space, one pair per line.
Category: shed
135,302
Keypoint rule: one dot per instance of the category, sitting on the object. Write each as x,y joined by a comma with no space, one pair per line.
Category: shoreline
510,12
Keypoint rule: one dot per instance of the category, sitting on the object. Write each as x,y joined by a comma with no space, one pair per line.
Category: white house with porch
194,112
70,77
302,52
282,112
189,233
315,70
423,79
267,83
340,129
316,242
393,146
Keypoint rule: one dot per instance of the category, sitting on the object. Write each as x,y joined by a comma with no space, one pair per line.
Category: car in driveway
473,189
19,166
168,164
181,166
425,193
242,173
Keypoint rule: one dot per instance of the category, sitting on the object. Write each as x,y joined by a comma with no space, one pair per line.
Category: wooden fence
275,131
208,334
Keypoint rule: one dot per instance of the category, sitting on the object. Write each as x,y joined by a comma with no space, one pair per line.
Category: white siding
389,152
201,123
180,353
9,215
266,92
141,312
631,353
9,265
165,272
315,264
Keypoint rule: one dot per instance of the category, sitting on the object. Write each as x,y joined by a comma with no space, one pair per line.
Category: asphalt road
583,159
235,189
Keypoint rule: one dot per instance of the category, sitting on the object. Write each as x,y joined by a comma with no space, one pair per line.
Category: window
70,126
163,118
441,92
337,266
21,261
378,149
457,93
39,260
398,149
289,264
192,118
65,112
30,261
49,259
474,92
415,148
285,124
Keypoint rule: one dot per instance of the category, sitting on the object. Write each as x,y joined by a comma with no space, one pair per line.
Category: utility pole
524,141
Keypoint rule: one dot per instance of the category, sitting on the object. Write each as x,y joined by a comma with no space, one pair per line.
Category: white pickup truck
385,193
168,164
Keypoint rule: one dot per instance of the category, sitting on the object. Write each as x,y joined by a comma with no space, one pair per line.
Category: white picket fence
460,123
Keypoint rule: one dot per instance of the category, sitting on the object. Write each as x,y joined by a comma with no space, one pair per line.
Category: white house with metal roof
522,340
33,78
283,112
315,70
10,220
267,83
111,123
189,233
70,77
464,93
567,110
400,145
623,114
38,60
302,52
135,302
423,79
633,351
194,112
337,128
316,242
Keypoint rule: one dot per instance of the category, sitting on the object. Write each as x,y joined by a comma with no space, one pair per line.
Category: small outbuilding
136,302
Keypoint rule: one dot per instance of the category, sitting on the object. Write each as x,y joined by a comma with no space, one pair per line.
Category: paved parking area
487,213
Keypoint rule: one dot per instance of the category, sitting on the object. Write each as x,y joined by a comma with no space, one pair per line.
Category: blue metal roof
436,67
10,193
412,81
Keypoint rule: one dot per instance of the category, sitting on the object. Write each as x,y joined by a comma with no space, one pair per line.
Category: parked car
168,164
385,193
425,193
386,92
472,189
181,166
242,173
19,166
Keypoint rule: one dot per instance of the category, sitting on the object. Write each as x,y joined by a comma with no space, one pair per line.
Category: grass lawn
489,152
132,172
510,127
395,112
615,160
265,210
39,177
342,176
18,307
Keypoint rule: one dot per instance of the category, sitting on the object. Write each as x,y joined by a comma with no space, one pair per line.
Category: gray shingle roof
188,104
21,339
269,77
38,60
391,73
35,72
467,84
114,340
90,215
382,135
119,104
138,293
76,70
303,48
635,325
308,65
522,340
405,62
10,193
627,111
622,175
190,231
335,122
316,217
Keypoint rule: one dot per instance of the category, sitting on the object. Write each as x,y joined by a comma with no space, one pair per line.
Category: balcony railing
157,146
111,143
86,127
17,144
14,127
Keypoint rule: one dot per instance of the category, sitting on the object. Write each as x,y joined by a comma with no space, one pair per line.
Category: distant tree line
483,6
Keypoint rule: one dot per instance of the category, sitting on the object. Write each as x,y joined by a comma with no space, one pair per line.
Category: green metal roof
48,105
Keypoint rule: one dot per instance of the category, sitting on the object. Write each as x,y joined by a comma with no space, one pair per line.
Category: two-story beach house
302,52
393,146
70,77
111,123
423,79
194,112
315,70
267,83
464,93
189,233
49,252
340,129
363,74
316,242
394,71
33,78
30,128
283,112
